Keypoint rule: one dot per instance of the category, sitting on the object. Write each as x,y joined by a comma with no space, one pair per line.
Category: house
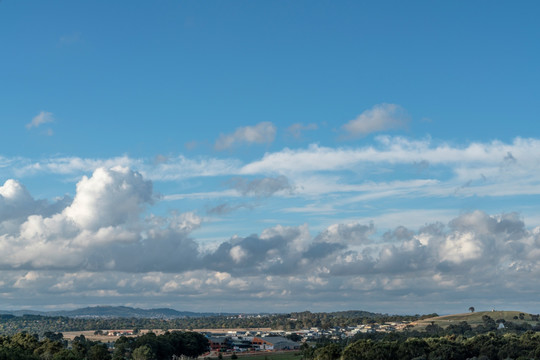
239,344
274,343
218,343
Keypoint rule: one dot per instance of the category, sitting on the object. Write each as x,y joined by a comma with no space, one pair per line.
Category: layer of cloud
105,230
102,228
427,169
379,118
491,157
42,118
262,133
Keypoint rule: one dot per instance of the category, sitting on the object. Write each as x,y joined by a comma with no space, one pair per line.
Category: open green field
475,318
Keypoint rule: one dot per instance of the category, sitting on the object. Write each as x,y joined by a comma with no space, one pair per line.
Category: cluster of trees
23,346
152,346
490,346
306,319
10,324
488,324
462,328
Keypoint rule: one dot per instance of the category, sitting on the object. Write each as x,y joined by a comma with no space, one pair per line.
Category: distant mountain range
113,312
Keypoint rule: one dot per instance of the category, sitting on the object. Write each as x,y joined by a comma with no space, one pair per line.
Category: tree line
488,346
52,346
460,341
10,324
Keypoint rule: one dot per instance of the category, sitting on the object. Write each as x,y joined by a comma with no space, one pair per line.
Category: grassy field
475,318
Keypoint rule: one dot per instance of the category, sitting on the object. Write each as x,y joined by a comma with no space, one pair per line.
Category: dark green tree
328,352
98,352
143,352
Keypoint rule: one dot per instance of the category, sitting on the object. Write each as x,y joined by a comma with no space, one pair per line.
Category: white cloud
319,169
262,133
104,213
67,247
470,160
484,167
237,253
459,248
182,167
287,263
391,151
42,118
174,168
14,193
109,197
16,205
379,118
347,233
73,165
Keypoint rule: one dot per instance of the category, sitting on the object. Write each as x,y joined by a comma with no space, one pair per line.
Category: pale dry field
70,335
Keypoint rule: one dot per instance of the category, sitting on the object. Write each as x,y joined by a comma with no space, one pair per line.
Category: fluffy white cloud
288,264
237,253
109,197
101,229
16,205
14,200
262,133
380,117
66,247
347,233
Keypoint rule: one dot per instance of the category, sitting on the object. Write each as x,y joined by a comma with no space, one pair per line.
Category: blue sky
276,156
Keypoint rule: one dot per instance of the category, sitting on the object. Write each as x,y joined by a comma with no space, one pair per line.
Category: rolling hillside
475,318
113,312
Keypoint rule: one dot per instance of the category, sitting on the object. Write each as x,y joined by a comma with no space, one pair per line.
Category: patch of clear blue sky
144,78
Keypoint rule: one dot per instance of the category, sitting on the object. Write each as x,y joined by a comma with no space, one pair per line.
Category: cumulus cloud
42,118
15,200
379,118
105,210
103,228
471,242
109,197
16,205
347,233
262,133
103,245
